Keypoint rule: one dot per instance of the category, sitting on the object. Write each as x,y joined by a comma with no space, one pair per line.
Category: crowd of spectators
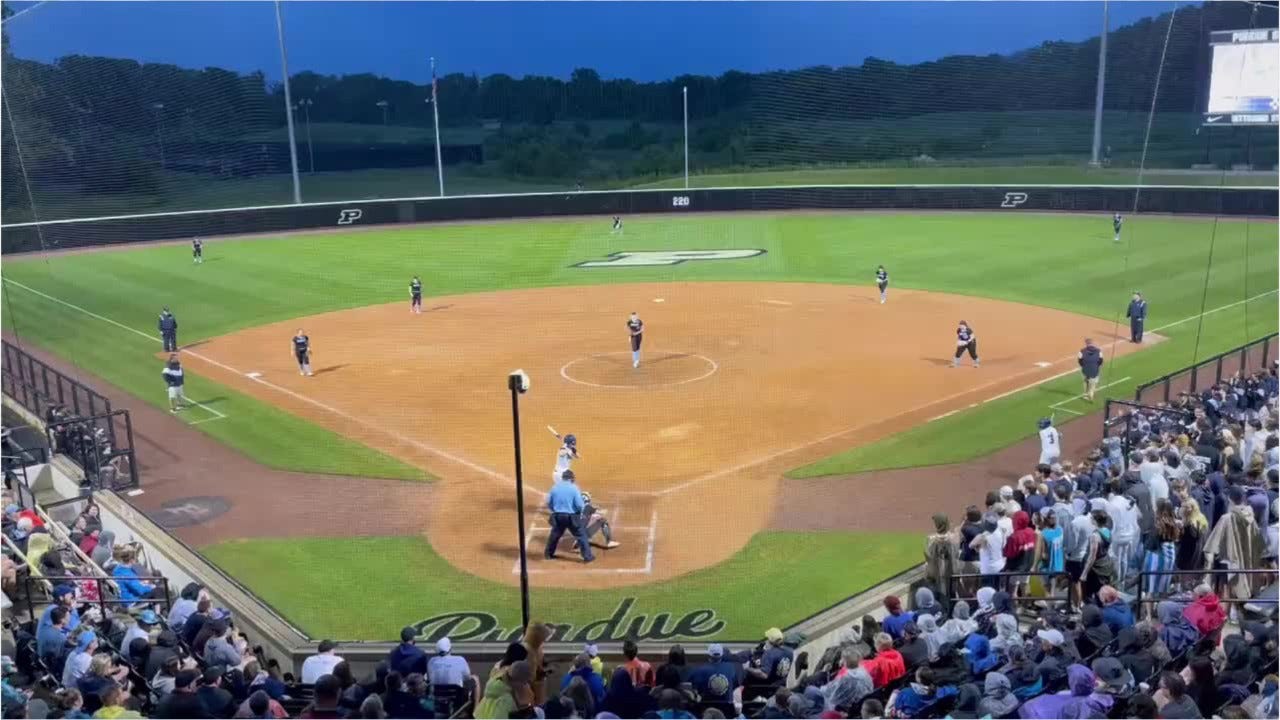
1108,588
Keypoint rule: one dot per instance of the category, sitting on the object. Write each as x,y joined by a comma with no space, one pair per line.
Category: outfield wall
64,234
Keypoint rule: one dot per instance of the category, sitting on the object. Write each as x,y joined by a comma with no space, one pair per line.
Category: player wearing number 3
1050,442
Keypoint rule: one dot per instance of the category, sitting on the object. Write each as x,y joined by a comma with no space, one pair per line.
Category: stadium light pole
435,115
384,105
1101,91
288,108
684,92
159,108
518,383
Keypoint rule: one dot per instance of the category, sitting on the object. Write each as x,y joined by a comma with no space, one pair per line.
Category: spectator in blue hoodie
126,576
897,618
407,657
1115,611
582,668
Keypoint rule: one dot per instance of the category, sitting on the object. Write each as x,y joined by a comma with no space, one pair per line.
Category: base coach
1090,360
168,326
1137,315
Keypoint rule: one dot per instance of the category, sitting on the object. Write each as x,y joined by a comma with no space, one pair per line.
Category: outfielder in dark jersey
882,282
635,326
301,345
415,295
197,251
1116,222
617,225
966,340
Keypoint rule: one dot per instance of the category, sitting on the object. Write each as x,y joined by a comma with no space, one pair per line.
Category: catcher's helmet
571,440
1044,423
586,497
567,475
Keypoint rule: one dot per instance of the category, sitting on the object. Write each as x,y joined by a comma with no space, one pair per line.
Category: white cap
444,645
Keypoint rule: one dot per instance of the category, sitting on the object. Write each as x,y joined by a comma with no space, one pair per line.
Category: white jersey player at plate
1050,442
565,456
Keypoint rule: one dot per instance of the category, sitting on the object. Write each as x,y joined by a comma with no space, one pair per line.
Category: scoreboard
1244,82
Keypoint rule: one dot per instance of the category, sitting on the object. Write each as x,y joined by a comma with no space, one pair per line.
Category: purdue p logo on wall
349,216
1013,199
651,258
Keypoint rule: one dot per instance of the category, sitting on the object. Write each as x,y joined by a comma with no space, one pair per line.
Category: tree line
101,122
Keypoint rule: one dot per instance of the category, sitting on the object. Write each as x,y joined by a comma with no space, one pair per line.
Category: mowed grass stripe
315,583
1065,262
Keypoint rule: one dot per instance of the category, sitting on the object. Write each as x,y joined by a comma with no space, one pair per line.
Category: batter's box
634,554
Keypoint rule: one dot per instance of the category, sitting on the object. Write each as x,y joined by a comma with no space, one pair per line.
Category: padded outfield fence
1256,355
1004,198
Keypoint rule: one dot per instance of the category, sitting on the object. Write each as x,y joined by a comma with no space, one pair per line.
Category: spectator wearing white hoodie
1126,531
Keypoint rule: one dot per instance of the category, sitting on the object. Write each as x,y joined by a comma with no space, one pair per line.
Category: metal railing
79,421
37,386
1213,576
1193,378
106,591
1120,418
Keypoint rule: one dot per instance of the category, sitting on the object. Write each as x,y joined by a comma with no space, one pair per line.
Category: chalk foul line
665,491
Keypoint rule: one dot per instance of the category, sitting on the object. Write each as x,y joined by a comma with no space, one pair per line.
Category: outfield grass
778,578
1066,262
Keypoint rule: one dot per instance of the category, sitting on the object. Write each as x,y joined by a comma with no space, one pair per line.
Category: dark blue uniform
302,351
635,326
197,250
1137,314
415,295
168,325
882,282
966,340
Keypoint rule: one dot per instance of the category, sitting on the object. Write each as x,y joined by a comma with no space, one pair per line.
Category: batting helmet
1044,423
567,475
571,440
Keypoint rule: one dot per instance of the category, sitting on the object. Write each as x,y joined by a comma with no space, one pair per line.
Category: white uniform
564,458
1050,445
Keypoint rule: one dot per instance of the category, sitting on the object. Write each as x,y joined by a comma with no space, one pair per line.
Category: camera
518,381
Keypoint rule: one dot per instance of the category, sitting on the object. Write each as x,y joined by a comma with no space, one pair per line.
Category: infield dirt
739,382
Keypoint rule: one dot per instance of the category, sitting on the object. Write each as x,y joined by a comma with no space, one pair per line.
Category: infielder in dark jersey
882,282
635,326
301,345
415,295
966,340
197,251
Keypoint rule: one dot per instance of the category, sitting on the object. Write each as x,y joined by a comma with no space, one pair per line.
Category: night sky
640,40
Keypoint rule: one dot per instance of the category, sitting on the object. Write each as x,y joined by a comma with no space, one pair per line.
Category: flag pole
435,113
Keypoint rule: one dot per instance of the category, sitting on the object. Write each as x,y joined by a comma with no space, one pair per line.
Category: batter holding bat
635,326
565,456
966,340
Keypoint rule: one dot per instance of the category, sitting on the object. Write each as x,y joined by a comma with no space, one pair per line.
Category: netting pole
1101,92
684,92
288,109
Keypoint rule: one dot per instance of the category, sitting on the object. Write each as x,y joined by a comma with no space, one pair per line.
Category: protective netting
117,135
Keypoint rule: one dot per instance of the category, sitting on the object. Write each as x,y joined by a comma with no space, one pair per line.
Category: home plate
659,300
253,375
1043,364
